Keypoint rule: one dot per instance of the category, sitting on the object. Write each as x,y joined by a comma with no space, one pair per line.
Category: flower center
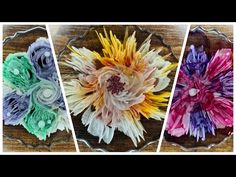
41,124
47,54
193,91
47,93
16,71
115,86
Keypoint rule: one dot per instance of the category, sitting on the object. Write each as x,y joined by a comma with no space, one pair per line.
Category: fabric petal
196,61
200,123
221,112
179,118
221,62
15,108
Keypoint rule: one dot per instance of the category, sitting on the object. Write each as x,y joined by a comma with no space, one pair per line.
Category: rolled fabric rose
40,121
40,55
15,107
47,93
60,102
18,72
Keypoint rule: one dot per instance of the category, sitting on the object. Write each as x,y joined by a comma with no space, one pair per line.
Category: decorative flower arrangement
32,94
203,95
117,87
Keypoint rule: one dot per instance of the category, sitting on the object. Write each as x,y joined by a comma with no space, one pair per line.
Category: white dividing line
173,88
62,88
234,95
1,90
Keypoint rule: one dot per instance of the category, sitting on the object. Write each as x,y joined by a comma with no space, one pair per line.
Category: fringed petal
15,108
196,61
221,62
82,60
200,123
221,112
178,122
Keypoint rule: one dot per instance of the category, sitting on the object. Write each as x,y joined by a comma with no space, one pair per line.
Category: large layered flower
115,89
203,95
32,94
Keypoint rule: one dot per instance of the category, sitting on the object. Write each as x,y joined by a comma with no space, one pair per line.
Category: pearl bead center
41,124
47,54
47,93
16,71
193,92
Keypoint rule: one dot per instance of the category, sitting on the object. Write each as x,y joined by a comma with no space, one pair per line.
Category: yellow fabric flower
115,88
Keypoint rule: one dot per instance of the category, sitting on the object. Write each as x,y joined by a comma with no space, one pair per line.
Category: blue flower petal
200,123
196,61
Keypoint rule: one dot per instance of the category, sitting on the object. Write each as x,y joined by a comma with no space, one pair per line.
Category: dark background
118,10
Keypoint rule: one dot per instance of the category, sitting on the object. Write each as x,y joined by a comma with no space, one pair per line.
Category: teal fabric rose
18,72
40,121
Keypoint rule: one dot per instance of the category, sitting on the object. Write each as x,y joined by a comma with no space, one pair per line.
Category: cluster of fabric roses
203,97
32,94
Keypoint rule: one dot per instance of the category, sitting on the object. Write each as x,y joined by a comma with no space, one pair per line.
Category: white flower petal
82,60
158,115
133,129
77,98
145,46
97,127
162,84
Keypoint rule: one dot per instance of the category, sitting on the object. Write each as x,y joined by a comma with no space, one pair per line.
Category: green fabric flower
40,121
18,72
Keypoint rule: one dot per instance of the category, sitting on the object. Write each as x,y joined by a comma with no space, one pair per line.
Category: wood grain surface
211,44
173,35
16,138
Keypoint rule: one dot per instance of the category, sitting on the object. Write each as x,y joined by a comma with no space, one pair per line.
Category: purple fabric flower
15,108
203,96
196,61
200,123
42,59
